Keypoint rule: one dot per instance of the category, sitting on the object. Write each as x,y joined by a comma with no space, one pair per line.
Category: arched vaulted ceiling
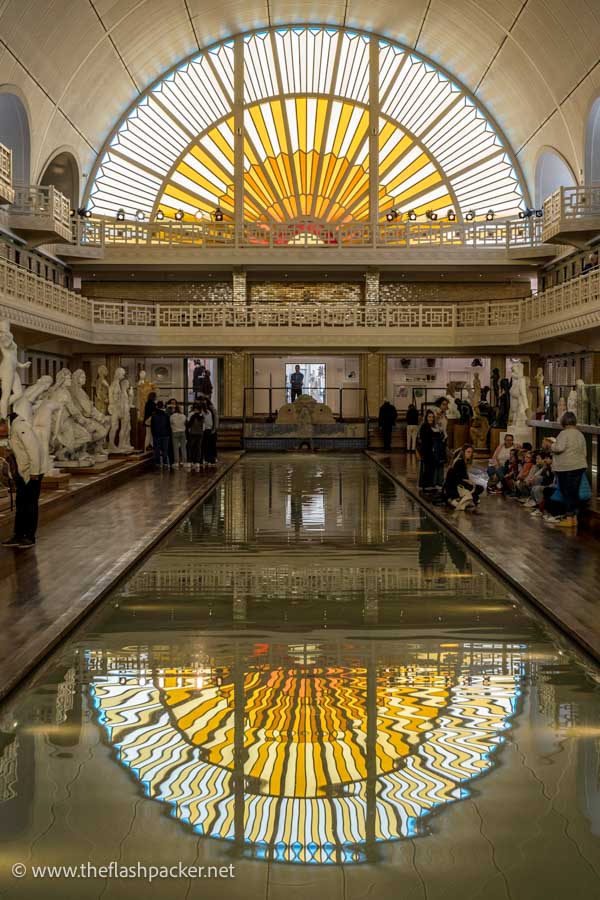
533,63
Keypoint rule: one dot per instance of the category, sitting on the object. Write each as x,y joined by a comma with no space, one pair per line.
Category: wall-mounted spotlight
539,213
391,215
431,215
139,215
199,215
412,216
218,214
451,215
179,215
470,215
121,215
489,216
160,215
72,212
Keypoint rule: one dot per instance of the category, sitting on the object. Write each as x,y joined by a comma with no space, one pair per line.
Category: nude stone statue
101,399
95,422
10,379
519,401
72,437
118,408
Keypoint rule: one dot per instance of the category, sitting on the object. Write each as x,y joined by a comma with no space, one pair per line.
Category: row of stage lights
431,214
217,215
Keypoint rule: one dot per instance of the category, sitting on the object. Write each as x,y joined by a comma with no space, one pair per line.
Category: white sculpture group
69,427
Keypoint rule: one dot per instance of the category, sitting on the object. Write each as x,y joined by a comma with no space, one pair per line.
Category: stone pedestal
461,435
56,482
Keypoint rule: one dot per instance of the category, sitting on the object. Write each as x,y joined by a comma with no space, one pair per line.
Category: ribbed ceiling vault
80,63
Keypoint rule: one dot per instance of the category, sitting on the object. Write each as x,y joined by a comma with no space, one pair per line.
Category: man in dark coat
388,415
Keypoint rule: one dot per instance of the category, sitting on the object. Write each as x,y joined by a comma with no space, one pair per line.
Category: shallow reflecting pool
311,684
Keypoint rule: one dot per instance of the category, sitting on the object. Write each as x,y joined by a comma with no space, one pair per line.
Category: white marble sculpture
72,436
45,424
95,422
572,401
126,404
539,380
561,408
118,408
10,379
453,411
518,396
101,390
143,390
26,403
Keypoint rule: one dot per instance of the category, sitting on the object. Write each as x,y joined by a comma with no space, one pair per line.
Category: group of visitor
551,482
180,441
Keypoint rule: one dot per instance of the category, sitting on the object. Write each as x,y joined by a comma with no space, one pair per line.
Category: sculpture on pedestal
476,392
519,402
101,399
561,408
144,389
572,401
119,413
10,379
479,432
72,437
45,424
95,422
495,386
539,380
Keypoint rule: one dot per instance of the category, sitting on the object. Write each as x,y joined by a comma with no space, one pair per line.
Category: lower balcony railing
567,308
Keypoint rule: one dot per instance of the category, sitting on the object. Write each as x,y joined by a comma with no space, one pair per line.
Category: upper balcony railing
24,288
498,235
7,194
572,214
41,209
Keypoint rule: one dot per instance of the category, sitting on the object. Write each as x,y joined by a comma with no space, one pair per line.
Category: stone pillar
371,287
239,286
234,384
373,377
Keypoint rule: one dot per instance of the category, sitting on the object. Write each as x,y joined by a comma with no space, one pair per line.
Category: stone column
234,384
373,378
371,286
239,286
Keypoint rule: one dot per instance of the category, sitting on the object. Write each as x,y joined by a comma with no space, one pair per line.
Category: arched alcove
551,173
63,173
592,144
14,133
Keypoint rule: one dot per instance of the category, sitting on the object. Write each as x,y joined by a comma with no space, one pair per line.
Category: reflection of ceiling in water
307,762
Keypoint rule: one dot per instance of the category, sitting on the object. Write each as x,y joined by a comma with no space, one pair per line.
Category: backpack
196,424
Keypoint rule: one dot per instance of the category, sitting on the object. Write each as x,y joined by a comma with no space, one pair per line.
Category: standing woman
432,450
569,461
195,430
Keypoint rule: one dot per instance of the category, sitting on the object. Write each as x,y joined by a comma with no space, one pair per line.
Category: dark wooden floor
79,556
556,569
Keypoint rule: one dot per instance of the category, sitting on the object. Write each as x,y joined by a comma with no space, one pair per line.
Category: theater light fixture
218,214
72,212
199,215
160,215
139,215
121,215
391,215
451,215
412,216
179,215
470,215
431,215
489,216
539,213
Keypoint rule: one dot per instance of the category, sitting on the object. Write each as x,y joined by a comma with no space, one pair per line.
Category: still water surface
310,681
